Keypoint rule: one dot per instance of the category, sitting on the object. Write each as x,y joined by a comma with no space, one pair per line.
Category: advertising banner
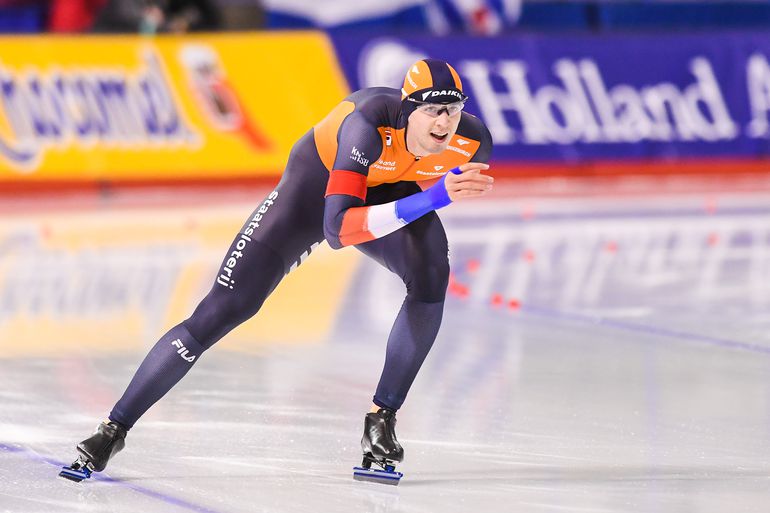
165,108
572,99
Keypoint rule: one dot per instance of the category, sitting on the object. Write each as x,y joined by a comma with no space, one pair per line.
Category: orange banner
165,108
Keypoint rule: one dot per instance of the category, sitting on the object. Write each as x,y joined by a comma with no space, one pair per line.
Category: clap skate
381,448
96,451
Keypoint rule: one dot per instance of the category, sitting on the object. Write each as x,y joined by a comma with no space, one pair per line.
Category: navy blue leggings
281,233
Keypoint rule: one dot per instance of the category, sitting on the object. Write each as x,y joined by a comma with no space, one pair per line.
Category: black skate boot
96,451
381,448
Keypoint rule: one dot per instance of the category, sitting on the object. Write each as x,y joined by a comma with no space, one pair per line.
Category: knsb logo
88,107
359,156
182,350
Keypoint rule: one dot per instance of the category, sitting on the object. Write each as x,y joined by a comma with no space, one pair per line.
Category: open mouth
439,138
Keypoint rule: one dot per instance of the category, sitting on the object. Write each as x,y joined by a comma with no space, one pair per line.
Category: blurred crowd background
438,17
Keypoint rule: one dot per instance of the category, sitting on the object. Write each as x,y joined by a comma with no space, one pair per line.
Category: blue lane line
650,330
106,479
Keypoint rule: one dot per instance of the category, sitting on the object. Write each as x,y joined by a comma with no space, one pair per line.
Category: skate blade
78,471
76,475
377,476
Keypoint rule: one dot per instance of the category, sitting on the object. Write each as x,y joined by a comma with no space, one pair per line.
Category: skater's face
431,127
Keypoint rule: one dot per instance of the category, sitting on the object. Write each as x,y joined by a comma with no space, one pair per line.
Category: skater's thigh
253,266
290,219
286,224
280,232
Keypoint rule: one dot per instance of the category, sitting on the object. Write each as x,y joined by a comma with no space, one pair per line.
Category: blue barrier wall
582,97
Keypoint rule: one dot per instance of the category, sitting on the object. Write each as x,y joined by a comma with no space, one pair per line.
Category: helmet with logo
430,81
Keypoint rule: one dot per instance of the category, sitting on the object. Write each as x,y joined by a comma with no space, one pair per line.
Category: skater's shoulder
474,128
380,106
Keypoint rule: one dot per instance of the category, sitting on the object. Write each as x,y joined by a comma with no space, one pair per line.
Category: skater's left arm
361,224
359,143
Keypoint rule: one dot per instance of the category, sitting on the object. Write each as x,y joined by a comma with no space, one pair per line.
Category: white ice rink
604,353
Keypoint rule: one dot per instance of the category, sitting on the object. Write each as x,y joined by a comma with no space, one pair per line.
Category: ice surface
596,356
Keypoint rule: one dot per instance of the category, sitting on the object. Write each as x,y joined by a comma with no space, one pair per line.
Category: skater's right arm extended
347,222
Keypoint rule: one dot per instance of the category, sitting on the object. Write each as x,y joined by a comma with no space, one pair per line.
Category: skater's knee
217,315
429,282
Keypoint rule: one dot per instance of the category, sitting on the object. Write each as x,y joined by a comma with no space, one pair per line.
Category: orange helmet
432,81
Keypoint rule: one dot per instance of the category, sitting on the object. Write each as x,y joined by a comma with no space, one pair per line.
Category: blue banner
580,98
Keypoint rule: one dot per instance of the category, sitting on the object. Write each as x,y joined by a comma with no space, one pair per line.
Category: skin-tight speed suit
340,184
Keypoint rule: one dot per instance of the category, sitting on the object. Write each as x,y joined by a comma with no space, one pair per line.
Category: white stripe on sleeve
382,220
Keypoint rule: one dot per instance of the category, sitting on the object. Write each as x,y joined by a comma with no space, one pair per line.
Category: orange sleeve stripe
354,228
346,182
